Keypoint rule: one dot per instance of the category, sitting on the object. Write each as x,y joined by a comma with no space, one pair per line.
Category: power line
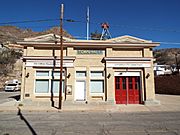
29,21
174,43
149,29
37,21
96,23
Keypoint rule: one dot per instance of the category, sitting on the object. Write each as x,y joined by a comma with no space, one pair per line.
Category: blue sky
156,20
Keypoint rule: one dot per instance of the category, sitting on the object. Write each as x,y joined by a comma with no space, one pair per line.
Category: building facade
117,71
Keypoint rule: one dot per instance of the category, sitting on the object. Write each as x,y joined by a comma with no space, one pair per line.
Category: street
89,123
9,96
121,120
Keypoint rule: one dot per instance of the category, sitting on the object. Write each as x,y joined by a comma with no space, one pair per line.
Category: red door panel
127,89
130,90
120,90
137,90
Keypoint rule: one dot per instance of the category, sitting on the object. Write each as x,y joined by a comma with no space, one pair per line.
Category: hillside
13,33
167,56
10,65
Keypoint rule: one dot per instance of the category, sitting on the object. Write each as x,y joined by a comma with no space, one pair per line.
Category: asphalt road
8,96
89,123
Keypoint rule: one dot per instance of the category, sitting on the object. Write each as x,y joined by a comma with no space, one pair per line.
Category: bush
7,59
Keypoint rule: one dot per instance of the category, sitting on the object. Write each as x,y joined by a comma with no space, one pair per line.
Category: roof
122,40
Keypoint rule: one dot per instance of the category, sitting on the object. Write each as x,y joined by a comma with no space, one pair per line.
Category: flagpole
87,17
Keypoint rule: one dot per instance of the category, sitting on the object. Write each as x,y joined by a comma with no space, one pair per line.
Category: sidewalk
169,103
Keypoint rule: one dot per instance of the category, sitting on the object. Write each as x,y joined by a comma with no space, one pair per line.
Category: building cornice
48,58
90,44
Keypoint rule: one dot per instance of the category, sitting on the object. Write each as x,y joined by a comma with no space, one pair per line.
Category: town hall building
116,71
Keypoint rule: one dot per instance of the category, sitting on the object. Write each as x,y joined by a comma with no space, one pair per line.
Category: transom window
80,73
97,73
42,73
57,73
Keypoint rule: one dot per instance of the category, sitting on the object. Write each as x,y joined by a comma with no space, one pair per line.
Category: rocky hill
13,33
10,66
167,56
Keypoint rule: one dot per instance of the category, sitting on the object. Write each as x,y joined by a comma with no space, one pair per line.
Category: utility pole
61,56
177,65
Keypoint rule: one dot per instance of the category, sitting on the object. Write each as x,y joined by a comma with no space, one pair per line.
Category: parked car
12,85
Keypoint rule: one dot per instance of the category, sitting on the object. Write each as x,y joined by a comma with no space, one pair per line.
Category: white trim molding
127,62
48,62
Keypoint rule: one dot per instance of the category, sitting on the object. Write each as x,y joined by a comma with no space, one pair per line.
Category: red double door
127,89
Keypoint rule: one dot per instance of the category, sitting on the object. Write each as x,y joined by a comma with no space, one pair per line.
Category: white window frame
96,78
50,80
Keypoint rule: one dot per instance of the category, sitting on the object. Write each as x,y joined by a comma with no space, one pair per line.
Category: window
57,74
97,74
117,83
130,83
80,73
97,82
137,83
42,86
55,86
97,86
42,73
124,83
47,81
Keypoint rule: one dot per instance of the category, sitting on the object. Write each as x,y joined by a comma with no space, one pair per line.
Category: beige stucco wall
71,82
28,86
88,62
126,53
110,86
48,52
147,52
30,51
149,83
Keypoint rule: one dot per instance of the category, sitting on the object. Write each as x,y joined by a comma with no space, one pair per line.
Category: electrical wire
29,21
95,23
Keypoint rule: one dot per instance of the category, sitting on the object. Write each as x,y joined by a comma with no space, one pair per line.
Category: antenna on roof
105,32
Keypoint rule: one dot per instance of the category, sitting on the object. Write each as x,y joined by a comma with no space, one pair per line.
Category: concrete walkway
169,103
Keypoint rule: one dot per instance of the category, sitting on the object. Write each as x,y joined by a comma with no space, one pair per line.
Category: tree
95,35
7,59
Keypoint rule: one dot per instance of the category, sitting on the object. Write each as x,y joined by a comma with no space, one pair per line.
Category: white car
12,85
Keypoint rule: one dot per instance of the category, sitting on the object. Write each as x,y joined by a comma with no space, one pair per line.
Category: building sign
48,63
91,52
128,65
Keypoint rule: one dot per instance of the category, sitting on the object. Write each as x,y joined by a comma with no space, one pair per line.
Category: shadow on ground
26,122
16,97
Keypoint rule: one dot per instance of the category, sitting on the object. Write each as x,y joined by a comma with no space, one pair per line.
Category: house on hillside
162,69
116,71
